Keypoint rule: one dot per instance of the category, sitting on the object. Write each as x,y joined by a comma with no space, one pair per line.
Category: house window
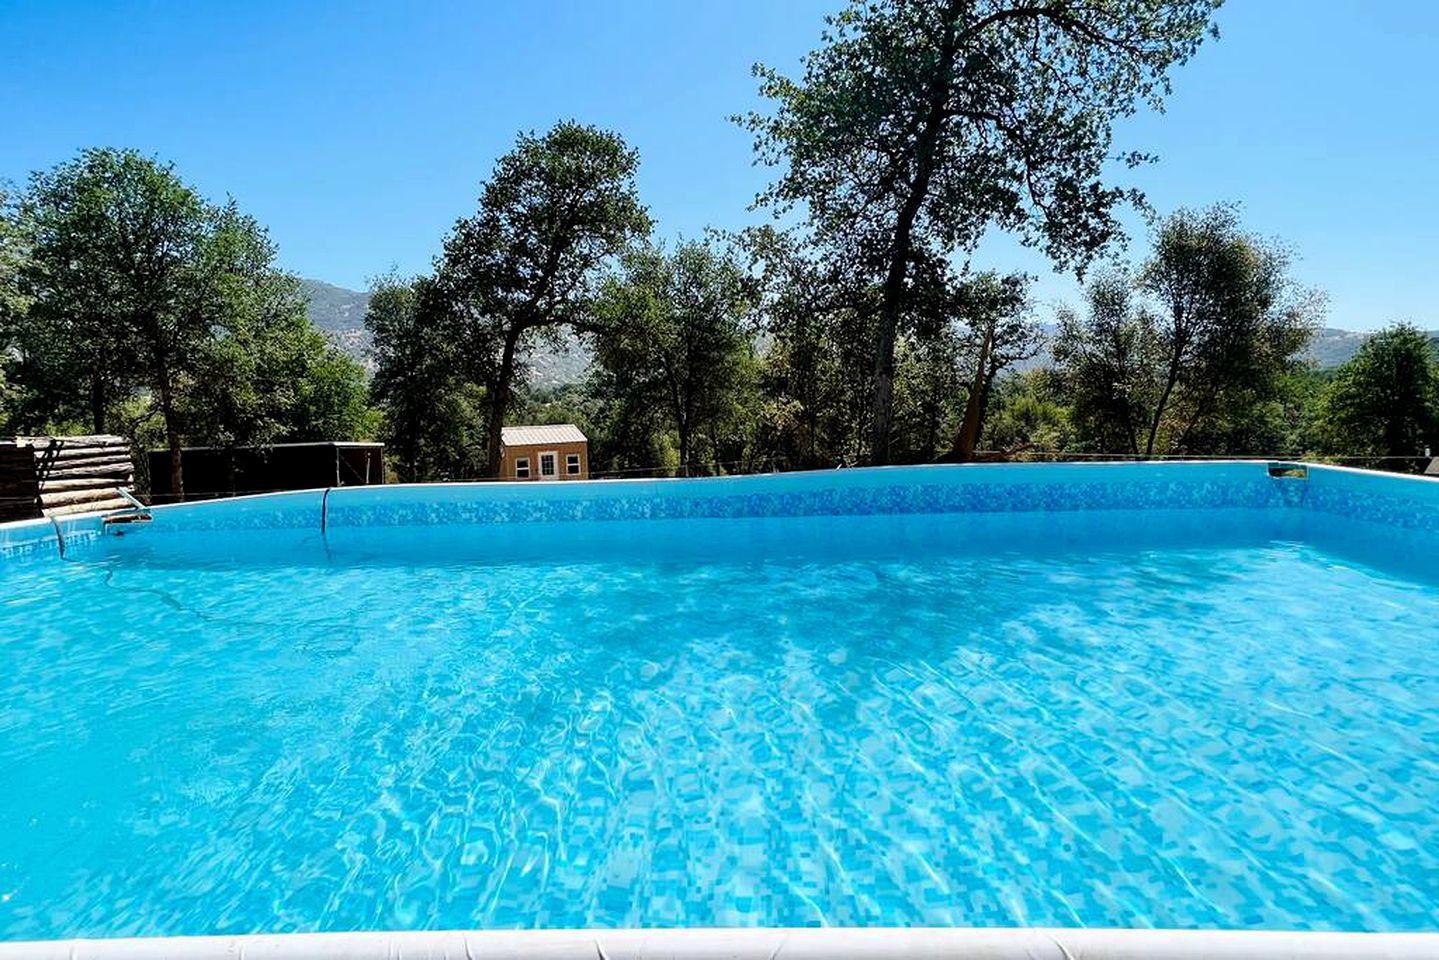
522,468
547,465
572,464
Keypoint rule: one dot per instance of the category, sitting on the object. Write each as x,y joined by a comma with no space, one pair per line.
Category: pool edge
758,943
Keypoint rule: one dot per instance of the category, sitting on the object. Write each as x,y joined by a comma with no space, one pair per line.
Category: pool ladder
138,511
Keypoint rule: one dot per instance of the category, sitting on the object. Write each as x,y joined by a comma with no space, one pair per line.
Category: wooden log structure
19,486
58,476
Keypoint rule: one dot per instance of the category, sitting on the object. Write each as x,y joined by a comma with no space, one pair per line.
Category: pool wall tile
1411,503
1391,499
861,492
298,509
29,539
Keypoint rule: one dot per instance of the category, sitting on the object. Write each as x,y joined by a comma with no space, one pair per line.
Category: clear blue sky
359,132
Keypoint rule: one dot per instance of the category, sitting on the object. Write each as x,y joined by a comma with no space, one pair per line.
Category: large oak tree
670,333
1178,356
919,124
556,210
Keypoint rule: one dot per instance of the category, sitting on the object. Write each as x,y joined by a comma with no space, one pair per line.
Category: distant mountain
1329,348
340,313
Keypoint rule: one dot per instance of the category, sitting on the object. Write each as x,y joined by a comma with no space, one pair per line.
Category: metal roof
532,436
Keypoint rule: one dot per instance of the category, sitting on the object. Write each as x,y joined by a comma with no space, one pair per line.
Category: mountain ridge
340,313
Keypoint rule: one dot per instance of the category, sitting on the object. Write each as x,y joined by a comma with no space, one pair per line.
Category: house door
549,465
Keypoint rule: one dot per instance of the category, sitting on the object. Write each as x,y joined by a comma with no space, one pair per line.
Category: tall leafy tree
269,376
814,341
1385,401
14,305
429,408
556,210
927,385
133,277
1180,357
671,332
1106,357
921,123
73,356
1001,333
1230,324
14,255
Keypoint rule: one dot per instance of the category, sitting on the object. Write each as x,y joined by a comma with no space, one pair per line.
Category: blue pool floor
1235,731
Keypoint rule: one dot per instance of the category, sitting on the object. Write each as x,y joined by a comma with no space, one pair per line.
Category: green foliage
556,210
927,389
917,126
14,305
670,336
139,299
1028,416
271,377
999,334
817,341
14,258
1385,401
1195,352
430,411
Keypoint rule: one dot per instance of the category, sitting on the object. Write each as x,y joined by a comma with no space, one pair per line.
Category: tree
1229,322
670,332
14,256
814,341
918,125
14,306
428,406
555,211
133,275
927,390
71,357
1028,415
1385,401
1181,357
332,394
995,310
269,376
1105,359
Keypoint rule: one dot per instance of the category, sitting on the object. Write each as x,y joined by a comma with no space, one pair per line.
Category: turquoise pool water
850,720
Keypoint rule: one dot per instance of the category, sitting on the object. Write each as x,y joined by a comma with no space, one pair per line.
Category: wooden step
119,472
64,498
94,506
79,483
69,443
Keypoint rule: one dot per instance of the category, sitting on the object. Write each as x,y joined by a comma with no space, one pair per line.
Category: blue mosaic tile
1402,502
489,505
1409,503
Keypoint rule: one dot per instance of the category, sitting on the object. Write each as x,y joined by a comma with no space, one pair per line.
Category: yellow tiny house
554,452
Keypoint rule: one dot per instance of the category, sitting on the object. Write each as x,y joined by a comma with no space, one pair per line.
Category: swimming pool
1122,695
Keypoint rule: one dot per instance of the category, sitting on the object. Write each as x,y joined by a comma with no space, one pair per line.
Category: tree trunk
172,438
97,402
1169,383
892,293
685,441
968,437
500,402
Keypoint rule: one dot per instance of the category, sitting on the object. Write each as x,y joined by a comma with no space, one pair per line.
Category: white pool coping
840,943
